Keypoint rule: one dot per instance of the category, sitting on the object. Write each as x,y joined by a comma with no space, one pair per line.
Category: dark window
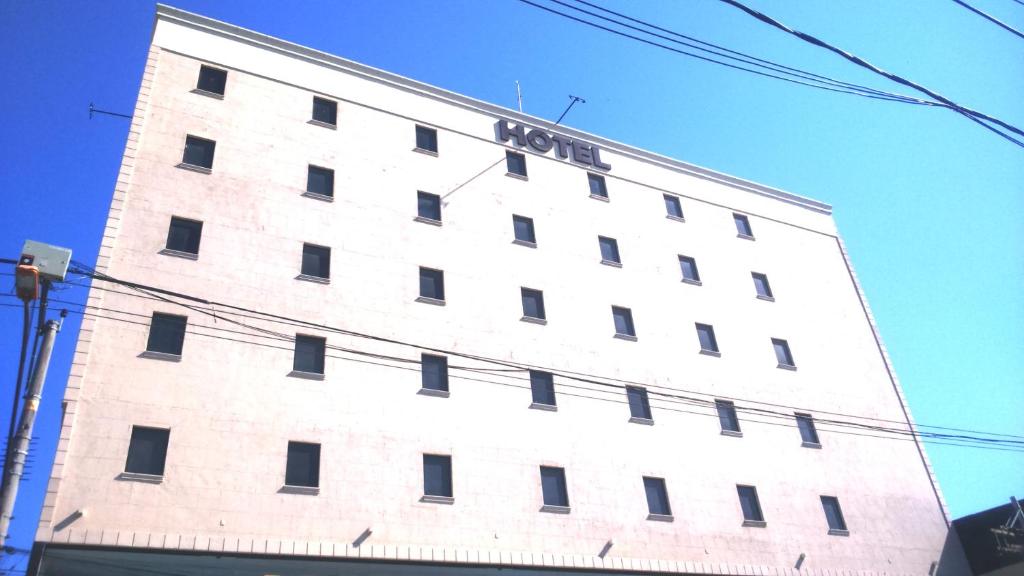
184,235
782,353
623,321
431,283
522,227
552,484
542,384
147,451
516,163
609,250
764,290
426,139
742,225
597,185
750,504
309,354
437,475
727,416
639,405
212,80
435,372
325,111
320,181
808,433
672,206
316,261
533,304
657,496
166,333
303,467
833,513
688,266
198,152
428,206
706,335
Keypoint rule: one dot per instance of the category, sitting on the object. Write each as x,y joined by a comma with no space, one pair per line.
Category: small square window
764,290
428,206
320,181
325,111
212,80
533,304
166,334
706,336
750,504
309,354
808,432
515,163
147,451
426,139
623,318
833,515
688,266
437,475
542,384
609,250
316,261
597,185
198,152
184,235
657,496
639,405
552,483
522,227
782,353
727,416
434,372
303,466
673,208
432,284
742,226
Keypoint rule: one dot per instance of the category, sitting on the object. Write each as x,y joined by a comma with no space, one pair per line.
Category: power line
990,18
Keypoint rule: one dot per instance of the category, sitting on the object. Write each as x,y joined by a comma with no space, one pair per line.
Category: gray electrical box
52,261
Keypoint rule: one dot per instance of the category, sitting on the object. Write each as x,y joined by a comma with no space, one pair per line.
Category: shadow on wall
952,562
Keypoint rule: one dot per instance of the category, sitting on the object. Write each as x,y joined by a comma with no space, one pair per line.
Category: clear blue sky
929,204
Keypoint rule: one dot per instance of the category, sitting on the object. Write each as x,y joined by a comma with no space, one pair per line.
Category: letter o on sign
539,141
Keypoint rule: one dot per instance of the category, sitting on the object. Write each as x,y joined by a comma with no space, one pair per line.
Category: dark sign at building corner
543,142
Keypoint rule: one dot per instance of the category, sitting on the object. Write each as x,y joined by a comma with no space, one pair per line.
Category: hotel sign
543,142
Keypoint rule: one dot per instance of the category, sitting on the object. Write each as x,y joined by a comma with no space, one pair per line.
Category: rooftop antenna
519,97
575,99
95,110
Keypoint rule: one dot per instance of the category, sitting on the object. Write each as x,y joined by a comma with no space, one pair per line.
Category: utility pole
19,449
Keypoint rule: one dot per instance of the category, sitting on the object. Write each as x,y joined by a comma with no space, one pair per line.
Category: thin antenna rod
519,97
575,99
95,110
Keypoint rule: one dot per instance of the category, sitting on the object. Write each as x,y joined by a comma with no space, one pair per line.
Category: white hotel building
441,336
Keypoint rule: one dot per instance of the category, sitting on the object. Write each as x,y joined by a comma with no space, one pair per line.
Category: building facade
401,330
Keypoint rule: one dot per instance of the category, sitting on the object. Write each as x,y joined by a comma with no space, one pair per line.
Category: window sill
661,517
303,490
755,523
179,254
426,220
815,445
202,92
306,375
322,124
638,420
611,263
599,197
318,196
837,532
544,407
628,337
432,392
690,281
517,176
766,298
431,498
733,433
166,356
745,236
787,367
555,509
429,300
313,279
532,320
714,353
139,477
676,218
526,243
194,168
425,151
